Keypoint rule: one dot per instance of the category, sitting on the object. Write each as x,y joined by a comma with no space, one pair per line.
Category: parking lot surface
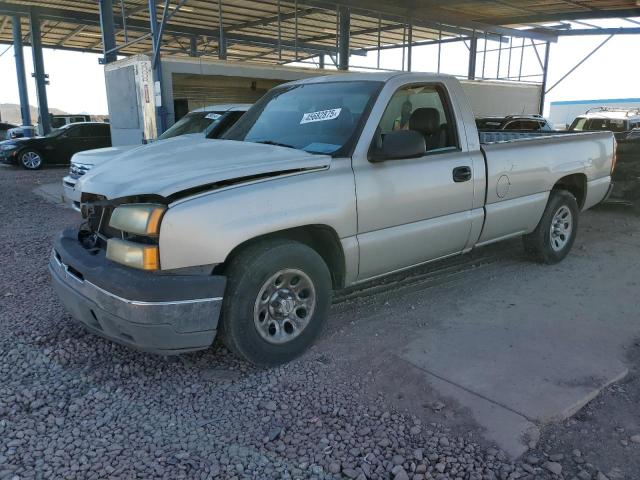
470,368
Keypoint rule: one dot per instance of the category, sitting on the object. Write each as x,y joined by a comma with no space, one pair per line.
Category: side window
515,125
75,132
424,109
105,130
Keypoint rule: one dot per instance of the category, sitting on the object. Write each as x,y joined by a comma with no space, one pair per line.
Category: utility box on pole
132,101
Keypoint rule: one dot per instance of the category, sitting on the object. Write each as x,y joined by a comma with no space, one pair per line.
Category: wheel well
576,184
322,238
25,149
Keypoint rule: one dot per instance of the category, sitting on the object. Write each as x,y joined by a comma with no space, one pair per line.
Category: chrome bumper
71,196
163,327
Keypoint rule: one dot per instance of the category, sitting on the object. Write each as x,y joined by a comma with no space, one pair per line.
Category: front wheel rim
31,160
284,306
561,228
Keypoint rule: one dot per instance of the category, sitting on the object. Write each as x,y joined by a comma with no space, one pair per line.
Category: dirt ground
75,406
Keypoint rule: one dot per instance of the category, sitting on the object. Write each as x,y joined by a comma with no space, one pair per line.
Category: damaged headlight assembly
141,219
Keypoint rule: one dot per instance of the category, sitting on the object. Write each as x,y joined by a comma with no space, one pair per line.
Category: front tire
553,238
277,301
30,159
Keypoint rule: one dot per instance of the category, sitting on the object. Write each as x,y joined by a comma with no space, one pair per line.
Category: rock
415,430
401,475
601,476
272,406
440,467
334,467
553,467
635,438
274,433
556,457
533,460
350,473
397,460
584,475
444,441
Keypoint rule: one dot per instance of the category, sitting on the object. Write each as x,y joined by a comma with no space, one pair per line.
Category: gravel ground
75,406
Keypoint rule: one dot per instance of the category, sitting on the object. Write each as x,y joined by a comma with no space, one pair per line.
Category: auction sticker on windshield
321,116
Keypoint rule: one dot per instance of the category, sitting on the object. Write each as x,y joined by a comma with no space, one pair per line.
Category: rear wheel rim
561,228
284,306
31,160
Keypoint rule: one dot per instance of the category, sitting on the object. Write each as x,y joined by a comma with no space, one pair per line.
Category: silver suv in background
624,123
213,121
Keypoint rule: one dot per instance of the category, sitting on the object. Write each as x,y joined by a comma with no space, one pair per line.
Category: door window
523,125
424,109
74,132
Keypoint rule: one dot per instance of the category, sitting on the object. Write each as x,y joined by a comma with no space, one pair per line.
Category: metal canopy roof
275,31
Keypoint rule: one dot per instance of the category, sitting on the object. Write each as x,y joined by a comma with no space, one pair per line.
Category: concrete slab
534,346
51,192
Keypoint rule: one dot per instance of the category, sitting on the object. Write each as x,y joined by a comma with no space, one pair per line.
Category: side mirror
400,144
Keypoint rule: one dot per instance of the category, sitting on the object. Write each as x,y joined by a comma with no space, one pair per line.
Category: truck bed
494,136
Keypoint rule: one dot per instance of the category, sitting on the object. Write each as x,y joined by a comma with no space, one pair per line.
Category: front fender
204,229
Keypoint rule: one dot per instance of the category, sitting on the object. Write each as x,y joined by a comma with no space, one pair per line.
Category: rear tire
276,303
553,238
30,159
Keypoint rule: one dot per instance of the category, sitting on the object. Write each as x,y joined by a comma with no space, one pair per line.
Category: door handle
461,174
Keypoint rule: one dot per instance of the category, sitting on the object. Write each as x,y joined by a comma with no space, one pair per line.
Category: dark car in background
4,130
514,122
57,147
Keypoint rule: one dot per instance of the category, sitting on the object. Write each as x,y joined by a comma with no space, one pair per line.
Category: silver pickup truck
324,183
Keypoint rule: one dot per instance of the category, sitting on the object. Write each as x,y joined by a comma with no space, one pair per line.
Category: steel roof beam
143,26
568,16
600,31
432,13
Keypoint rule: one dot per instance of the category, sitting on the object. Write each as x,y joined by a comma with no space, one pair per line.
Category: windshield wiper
277,144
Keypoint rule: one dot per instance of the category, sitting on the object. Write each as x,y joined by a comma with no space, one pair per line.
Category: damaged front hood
181,164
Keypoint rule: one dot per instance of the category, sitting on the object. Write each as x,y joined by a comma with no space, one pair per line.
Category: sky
77,79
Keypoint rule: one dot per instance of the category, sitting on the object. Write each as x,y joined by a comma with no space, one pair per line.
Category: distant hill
10,112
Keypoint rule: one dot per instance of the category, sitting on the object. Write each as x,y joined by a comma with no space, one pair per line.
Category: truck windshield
194,122
598,124
322,118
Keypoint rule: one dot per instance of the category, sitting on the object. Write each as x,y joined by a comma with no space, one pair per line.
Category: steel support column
193,47
410,43
473,50
108,31
161,120
22,77
545,68
343,38
40,76
222,39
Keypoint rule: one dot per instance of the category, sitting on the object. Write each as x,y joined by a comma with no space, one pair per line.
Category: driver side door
412,210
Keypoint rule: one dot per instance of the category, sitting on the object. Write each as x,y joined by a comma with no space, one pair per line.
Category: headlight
138,218
8,147
131,254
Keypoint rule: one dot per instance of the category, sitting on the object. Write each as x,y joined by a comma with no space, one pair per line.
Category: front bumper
159,313
71,195
9,156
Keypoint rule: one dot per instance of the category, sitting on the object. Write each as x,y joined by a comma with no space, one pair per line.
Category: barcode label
321,116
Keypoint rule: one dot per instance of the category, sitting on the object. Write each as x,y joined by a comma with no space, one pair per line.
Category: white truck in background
212,121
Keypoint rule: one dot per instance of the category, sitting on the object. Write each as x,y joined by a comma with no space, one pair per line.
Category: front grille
78,169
